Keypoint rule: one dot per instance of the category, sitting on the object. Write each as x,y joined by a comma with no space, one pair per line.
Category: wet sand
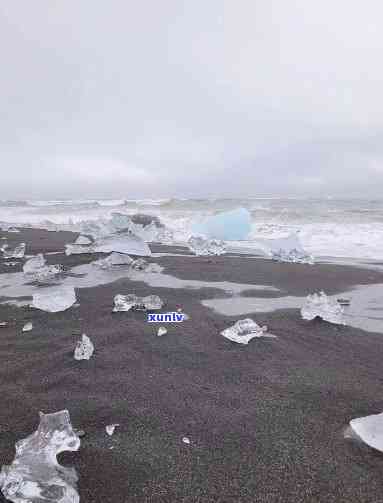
265,421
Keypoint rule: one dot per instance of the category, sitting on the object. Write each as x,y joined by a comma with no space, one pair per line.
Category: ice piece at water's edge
17,252
231,225
127,243
322,306
35,475
131,301
202,246
54,299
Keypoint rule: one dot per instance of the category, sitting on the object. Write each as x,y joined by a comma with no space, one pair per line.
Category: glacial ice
35,476
110,428
82,240
54,299
84,348
370,430
17,252
202,246
131,301
37,270
124,243
161,331
288,249
28,327
231,225
114,259
244,330
76,249
140,264
322,306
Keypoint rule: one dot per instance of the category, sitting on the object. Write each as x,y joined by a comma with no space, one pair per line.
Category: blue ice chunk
231,225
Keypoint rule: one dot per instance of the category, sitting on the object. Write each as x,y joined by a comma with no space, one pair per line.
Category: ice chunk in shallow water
54,299
82,240
322,306
288,249
17,252
114,259
34,263
131,301
244,330
36,269
84,348
370,430
35,476
125,243
140,264
202,246
231,225
75,249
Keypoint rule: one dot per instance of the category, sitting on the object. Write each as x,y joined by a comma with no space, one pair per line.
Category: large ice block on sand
287,249
370,430
54,299
125,243
321,306
231,225
35,476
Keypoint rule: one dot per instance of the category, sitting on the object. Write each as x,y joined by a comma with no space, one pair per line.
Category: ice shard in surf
54,299
234,225
132,301
321,306
370,430
287,249
125,243
35,476
244,330
83,240
201,246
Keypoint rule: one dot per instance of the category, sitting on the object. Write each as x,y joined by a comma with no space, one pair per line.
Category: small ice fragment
3,323
34,263
35,475
114,259
202,246
110,428
126,243
17,252
322,306
244,330
370,430
186,440
27,327
162,331
132,301
84,348
141,264
82,240
231,225
75,249
287,249
54,299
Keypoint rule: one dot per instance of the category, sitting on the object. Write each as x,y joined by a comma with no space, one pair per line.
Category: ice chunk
3,323
35,476
114,259
244,330
230,225
126,243
370,430
140,264
288,249
202,246
76,249
37,270
54,299
162,331
28,327
84,348
82,240
17,252
322,306
131,301
110,428
186,440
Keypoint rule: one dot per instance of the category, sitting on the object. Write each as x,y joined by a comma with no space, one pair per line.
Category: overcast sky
159,98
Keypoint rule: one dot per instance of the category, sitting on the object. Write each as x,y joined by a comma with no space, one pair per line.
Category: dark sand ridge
265,420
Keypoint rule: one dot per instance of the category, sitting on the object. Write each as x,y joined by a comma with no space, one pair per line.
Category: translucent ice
34,263
37,270
35,475
54,299
288,249
84,348
231,225
17,252
202,246
370,430
131,301
244,330
110,428
125,243
28,327
83,240
114,259
322,306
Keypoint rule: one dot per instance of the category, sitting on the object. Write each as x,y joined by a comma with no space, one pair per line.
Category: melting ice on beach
370,430
54,299
35,476
201,246
84,348
36,269
244,330
321,306
131,301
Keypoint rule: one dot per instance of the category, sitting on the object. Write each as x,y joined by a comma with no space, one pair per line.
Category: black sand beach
265,421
